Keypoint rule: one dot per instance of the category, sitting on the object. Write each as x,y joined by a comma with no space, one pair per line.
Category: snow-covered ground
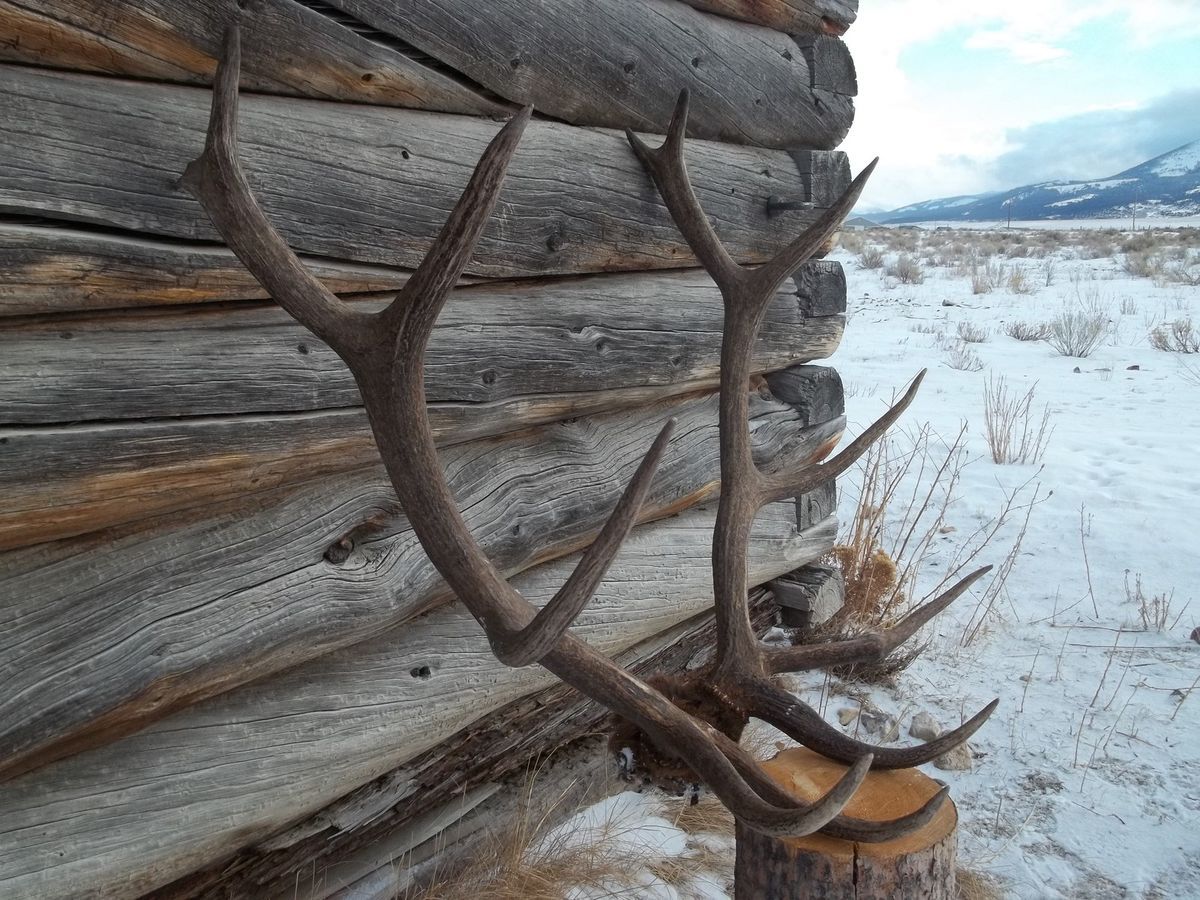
1086,781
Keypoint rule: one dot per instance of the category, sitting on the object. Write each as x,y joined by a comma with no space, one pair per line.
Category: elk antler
385,353
738,680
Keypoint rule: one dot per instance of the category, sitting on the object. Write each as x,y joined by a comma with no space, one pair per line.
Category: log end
918,864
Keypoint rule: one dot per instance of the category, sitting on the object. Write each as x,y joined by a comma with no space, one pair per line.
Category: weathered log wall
216,627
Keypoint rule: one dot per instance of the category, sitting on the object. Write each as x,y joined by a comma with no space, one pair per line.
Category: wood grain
504,746
52,269
793,16
493,344
817,867
622,63
289,48
375,185
176,608
142,811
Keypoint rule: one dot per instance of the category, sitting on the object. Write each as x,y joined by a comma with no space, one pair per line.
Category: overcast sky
979,95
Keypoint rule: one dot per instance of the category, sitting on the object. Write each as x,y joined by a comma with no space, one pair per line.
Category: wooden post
816,867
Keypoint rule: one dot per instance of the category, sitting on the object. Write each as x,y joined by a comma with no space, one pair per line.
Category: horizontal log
493,345
156,617
50,269
375,185
147,809
622,63
613,63
831,17
65,481
288,48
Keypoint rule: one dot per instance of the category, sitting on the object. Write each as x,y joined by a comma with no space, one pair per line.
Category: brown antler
385,352
739,674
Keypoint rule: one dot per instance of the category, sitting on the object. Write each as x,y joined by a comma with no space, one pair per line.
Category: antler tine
417,306
802,723
848,828
810,818
216,179
539,637
791,484
873,646
669,173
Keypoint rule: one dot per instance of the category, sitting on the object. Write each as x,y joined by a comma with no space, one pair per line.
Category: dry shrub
1144,265
1015,434
1019,283
871,258
870,576
1078,332
906,270
971,334
964,359
850,241
980,283
1154,610
1027,331
1178,337
1185,271
904,493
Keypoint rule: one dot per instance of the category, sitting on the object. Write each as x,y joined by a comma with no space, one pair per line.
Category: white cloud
943,142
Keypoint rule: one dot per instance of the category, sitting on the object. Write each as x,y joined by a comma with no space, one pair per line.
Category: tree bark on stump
919,865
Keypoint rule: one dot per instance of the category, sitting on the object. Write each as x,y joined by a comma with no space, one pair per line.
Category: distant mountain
1168,185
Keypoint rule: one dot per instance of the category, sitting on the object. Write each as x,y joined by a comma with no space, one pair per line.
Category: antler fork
385,352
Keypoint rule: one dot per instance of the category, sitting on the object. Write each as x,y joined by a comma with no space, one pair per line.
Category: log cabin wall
227,663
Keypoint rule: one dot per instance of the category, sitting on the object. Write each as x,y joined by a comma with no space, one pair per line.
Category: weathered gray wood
168,610
48,269
494,344
792,16
375,185
815,391
622,63
288,48
831,65
508,745
147,809
683,648
810,595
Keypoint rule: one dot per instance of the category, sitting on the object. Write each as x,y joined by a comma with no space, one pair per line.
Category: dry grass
963,358
1027,331
973,885
871,258
1154,609
1179,336
906,270
1016,435
1078,332
903,497
1019,282
527,860
971,334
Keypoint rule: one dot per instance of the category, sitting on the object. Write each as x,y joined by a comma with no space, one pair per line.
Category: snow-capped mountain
1167,185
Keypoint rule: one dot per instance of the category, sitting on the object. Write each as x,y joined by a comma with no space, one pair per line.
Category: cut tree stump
919,865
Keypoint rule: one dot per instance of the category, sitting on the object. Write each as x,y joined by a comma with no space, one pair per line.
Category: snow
1179,162
1086,781
1074,187
1079,199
